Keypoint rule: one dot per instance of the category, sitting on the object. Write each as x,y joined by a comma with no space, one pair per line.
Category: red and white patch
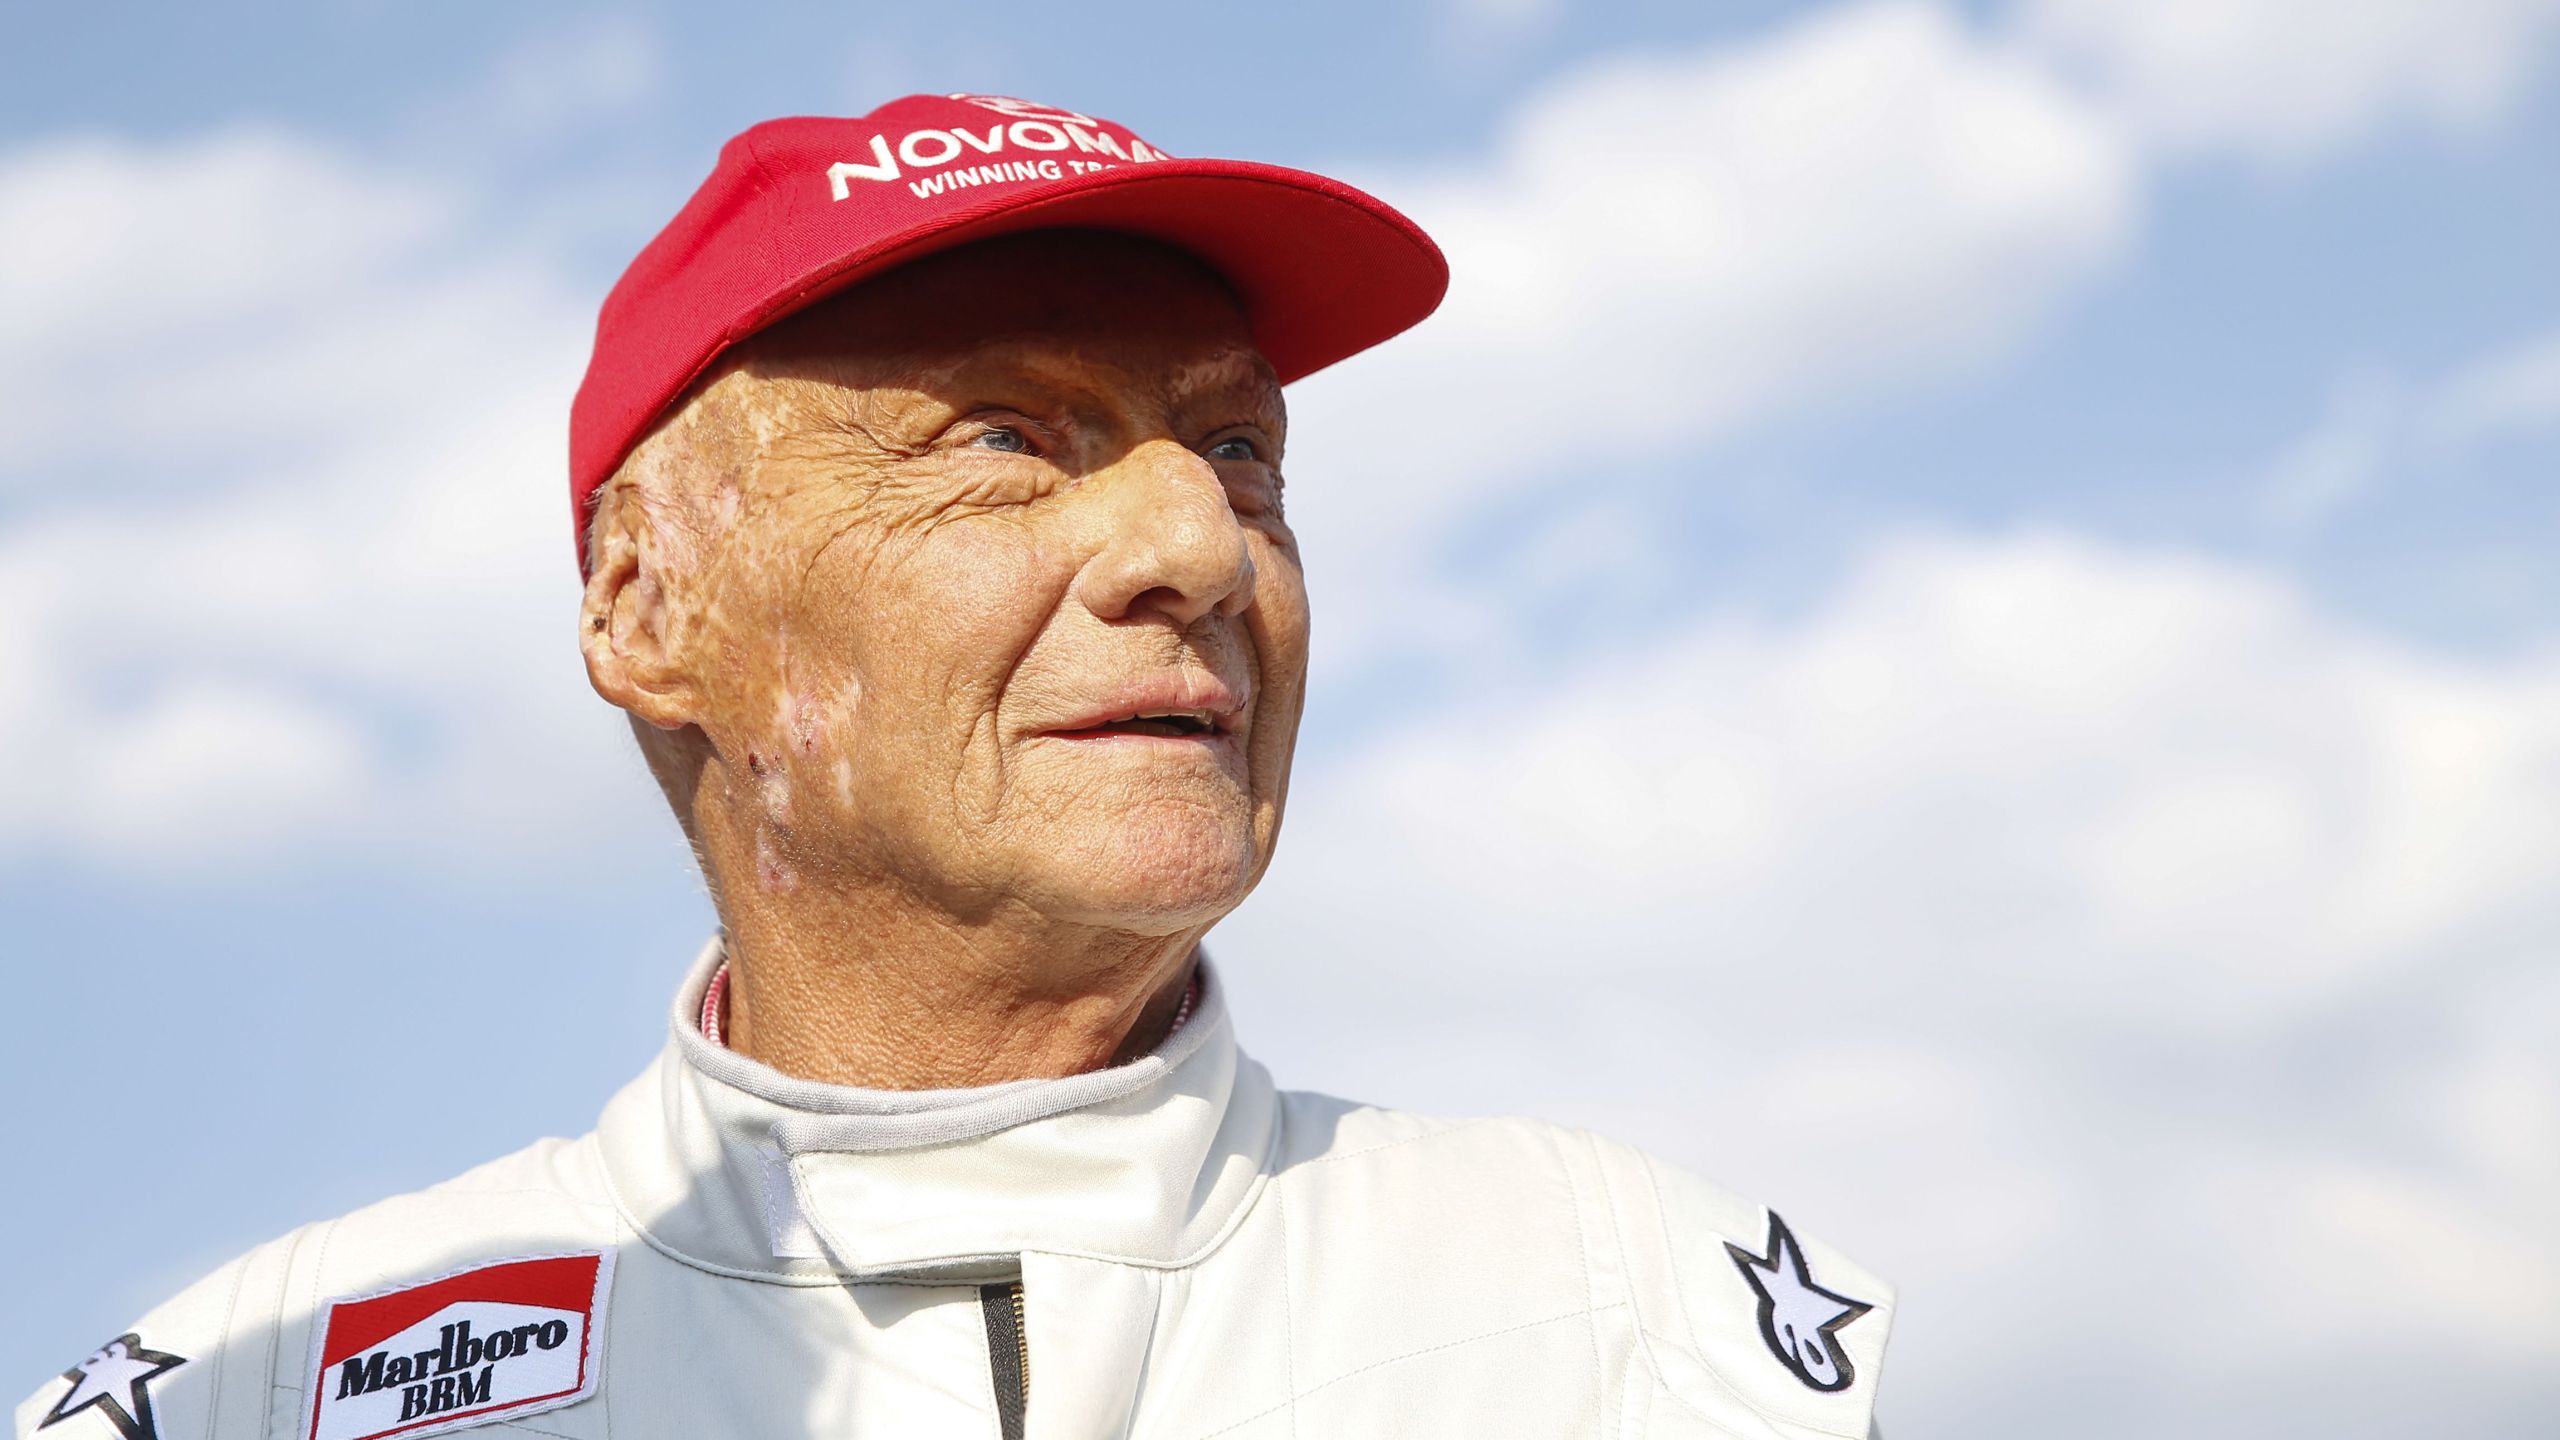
489,1343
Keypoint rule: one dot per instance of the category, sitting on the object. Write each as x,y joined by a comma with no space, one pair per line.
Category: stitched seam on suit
311,1310
1628,1389
275,1329
525,1429
225,1354
1288,1302
1679,1286
1591,1326
605,1357
1297,1395
1644,1336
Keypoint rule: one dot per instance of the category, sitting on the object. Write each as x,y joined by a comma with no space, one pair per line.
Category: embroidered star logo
1798,1318
117,1381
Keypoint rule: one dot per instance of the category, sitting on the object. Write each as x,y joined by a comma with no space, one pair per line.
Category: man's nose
1174,547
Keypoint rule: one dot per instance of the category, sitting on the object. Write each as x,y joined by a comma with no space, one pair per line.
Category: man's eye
1234,447
1004,438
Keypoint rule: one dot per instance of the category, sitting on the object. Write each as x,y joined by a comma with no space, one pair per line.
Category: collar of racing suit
732,1166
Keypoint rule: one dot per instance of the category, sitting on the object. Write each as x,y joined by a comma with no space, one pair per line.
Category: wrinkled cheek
935,633
1281,618
972,603
1279,632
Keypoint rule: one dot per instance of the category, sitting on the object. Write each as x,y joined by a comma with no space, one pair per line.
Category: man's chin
1155,877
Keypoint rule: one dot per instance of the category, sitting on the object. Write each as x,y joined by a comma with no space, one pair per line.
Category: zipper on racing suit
1008,1355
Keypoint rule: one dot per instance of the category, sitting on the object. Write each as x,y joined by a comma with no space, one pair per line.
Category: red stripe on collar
715,1006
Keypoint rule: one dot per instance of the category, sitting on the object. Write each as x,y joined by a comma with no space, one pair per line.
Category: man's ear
628,624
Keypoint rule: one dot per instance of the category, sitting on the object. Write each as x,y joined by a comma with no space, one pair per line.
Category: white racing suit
1171,1249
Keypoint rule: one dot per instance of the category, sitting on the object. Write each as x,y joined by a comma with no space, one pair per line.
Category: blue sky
1954,626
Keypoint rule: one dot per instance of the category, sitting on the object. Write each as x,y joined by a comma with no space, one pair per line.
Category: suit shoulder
1736,1307
164,1374
549,1198
213,1359
1324,1129
1739,1319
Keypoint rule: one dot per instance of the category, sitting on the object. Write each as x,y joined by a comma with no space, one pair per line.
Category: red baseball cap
798,209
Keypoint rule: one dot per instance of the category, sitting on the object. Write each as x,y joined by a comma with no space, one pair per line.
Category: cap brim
1322,270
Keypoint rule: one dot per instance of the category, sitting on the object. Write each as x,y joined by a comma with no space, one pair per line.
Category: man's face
968,530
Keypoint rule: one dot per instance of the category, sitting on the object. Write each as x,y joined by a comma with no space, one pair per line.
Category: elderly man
929,498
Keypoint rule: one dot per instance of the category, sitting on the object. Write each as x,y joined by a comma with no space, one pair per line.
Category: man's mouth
1161,724
1171,705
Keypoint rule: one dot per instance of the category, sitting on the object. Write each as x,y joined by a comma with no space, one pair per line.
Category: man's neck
856,992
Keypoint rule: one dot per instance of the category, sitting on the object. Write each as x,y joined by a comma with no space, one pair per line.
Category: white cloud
322,594
2283,79
242,764
1690,241
133,274
1660,250
2514,392
559,80
106,240
1476,30
2081,931
2378,429
594,66
2154,760
2341,459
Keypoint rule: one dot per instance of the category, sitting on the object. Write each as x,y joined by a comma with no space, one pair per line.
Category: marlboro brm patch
489,1343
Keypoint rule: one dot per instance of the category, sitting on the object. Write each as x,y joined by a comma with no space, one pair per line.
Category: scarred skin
855,585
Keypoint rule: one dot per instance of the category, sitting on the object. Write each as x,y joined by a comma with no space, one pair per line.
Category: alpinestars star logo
117,1381
1798,1318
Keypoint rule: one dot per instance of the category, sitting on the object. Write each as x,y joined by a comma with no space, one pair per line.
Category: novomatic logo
1024,141
498,1340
